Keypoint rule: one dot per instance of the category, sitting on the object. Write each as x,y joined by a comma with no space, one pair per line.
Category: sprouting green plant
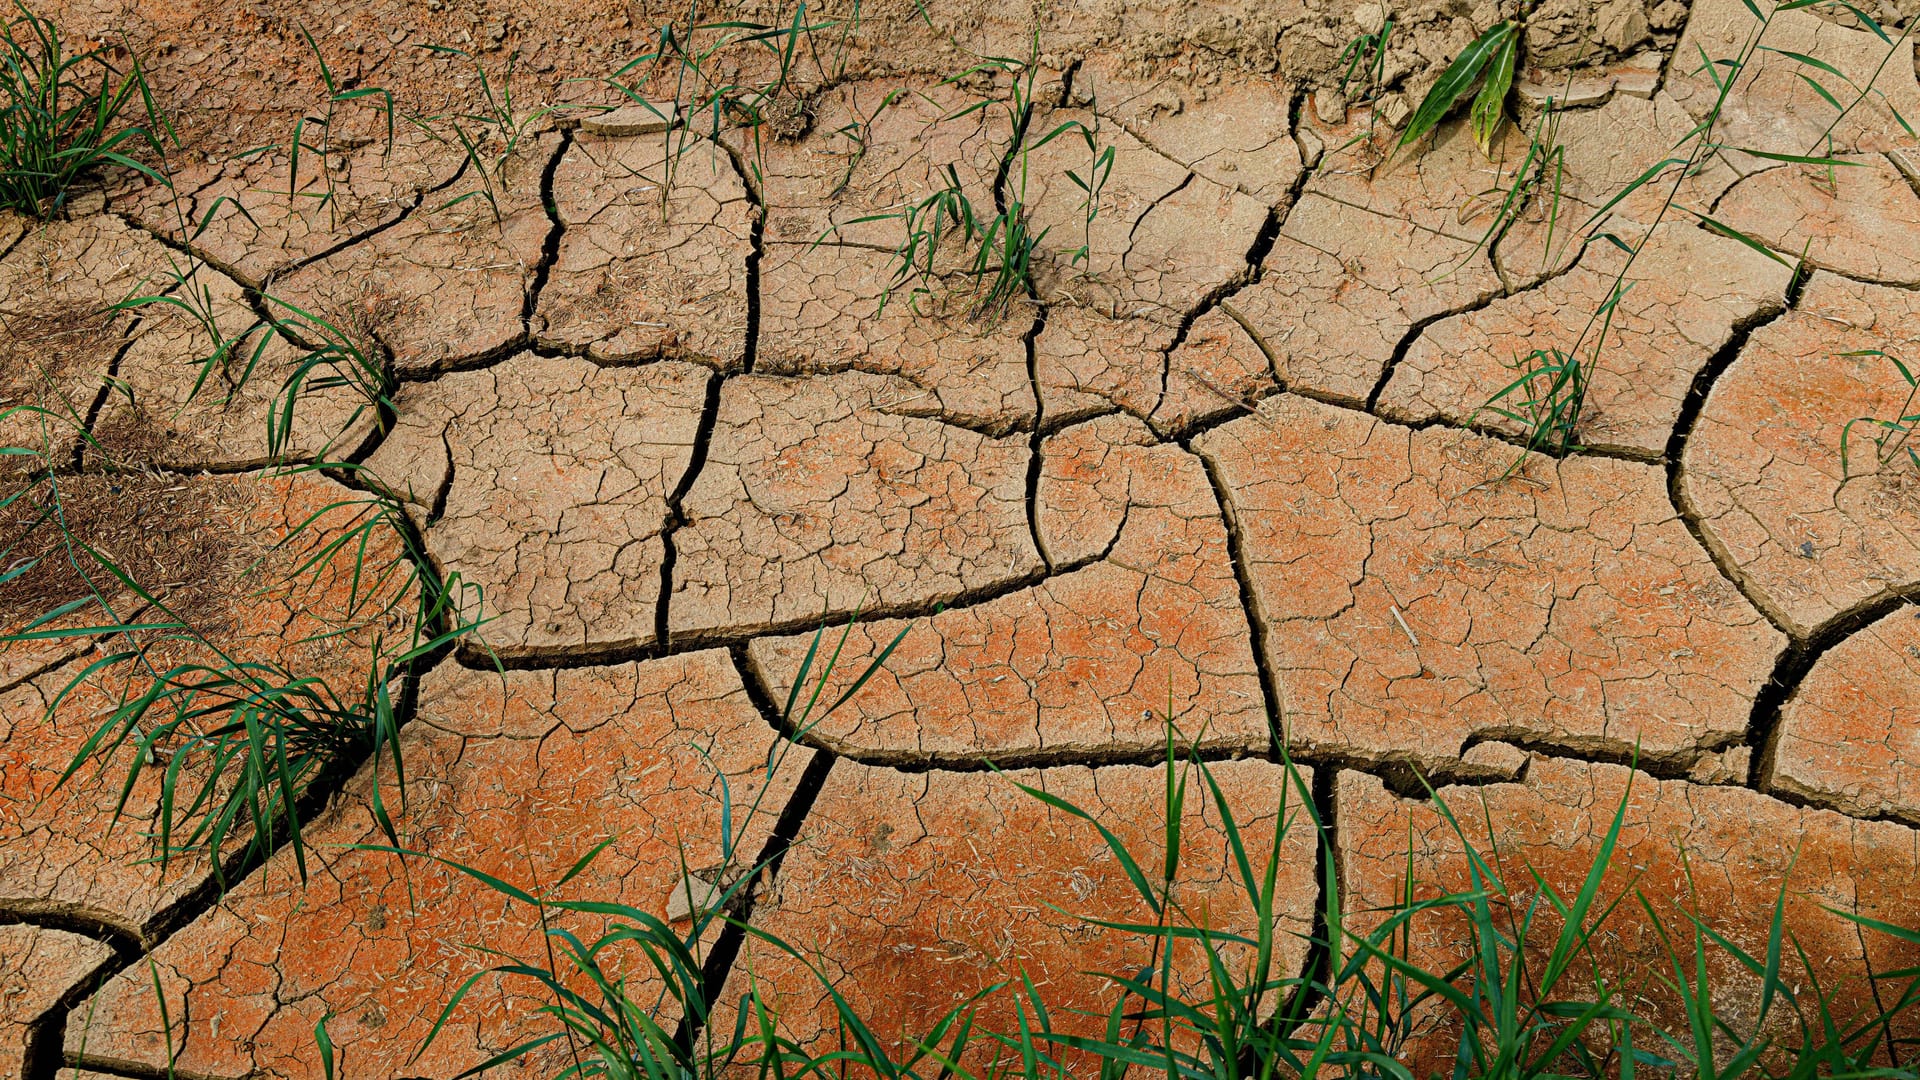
1488,63
62,115
1094,181
595,1005
490,132
997,267
330,357
377,98
930,224
1892,435
185,287
1365,57
706,94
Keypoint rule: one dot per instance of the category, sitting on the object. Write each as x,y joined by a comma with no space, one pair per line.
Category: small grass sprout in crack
610,1024
1548,396
489,133
330,357
713,80
997,251
63,116
1892,435
326,144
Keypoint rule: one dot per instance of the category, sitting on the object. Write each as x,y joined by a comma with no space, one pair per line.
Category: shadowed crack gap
1798,659
676,516
550,244
1249,602
1689,416
1035,458
1789,672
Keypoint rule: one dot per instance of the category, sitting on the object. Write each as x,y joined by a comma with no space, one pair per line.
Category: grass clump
1546,400
1891,435
1528,999
63,115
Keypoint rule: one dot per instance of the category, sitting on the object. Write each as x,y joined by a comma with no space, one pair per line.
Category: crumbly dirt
170,535
661,405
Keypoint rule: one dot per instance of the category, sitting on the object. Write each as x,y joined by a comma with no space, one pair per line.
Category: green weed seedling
376,98
490,133
61,115
237,741
700,65
1365,60
1487,64
615,1028
998,249
1091,182
1892,435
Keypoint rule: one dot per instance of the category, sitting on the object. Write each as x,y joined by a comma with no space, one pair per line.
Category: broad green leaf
1490,106
1454,83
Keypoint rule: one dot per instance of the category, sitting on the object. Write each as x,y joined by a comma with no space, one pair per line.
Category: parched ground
655,407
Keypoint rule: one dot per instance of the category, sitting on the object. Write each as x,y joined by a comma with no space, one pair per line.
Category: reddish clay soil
662,409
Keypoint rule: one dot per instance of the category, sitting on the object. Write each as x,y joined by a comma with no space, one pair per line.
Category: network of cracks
1228,473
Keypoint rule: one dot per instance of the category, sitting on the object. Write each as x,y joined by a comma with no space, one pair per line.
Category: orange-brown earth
661,408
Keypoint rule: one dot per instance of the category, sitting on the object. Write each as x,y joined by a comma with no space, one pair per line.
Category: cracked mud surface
1412,607
1141,620
822,494
1724,849
38,967
663,405
893,892
1810,536
547,480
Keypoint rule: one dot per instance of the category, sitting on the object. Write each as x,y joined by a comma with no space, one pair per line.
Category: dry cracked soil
659,402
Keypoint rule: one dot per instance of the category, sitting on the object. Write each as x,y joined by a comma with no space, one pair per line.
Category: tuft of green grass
237,741
611,1026
997,250
1891,435
490,132
64,115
